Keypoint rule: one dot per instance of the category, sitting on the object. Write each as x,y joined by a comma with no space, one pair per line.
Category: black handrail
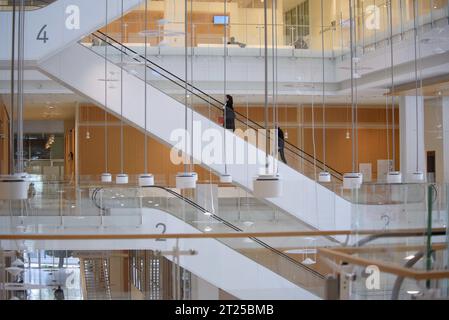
230,225
191,88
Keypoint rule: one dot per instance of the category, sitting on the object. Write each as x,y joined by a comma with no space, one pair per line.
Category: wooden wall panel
91,155
372,134
372,146
372,141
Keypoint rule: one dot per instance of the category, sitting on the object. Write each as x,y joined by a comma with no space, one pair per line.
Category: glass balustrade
294,34
411,224
205,104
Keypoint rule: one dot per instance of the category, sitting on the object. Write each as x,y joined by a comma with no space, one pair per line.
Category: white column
445,123
407,121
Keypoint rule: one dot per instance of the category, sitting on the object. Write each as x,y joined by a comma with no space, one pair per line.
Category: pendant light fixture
121,178
106,177
15,185
393,176
225,177
146,179
186,179
352,180
418,175
267,185
324,176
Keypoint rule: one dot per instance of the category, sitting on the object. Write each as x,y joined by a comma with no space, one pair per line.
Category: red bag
221,120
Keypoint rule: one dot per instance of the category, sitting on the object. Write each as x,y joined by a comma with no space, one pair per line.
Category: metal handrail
230,225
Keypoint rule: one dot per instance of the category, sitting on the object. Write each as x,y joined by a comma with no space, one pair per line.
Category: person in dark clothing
59,294
281,145
229,114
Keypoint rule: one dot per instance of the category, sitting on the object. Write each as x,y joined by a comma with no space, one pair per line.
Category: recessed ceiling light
207,229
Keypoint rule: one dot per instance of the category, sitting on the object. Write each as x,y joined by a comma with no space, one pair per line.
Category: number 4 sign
72,22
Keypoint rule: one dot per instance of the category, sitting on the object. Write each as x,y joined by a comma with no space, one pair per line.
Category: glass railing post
101,208
445,191
61,209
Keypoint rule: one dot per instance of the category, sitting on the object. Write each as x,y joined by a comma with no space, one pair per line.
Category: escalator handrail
297,151
230,225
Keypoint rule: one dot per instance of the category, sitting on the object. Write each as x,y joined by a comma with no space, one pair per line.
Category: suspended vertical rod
145,147
191,79
351,37
185,83
106,92
266,82
20,78
224,83
274,71
415,28
121,91
11,121
323,89
393,125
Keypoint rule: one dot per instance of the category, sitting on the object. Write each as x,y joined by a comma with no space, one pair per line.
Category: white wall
92,16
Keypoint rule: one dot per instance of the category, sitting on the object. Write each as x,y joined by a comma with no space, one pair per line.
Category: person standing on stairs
229,114
281,145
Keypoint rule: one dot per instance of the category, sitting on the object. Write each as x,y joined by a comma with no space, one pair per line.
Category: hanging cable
13,59
415,29
351,37
387,106
224,85
145,148
266,83
393,125
191,77
106,91
324,87
185,84
20,91
121,89
274,94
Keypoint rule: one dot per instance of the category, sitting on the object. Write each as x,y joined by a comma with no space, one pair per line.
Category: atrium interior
224,149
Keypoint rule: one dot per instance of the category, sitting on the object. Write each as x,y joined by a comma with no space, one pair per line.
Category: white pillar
445,123
407,121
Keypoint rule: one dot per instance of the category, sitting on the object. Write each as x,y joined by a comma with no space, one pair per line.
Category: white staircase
81,70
